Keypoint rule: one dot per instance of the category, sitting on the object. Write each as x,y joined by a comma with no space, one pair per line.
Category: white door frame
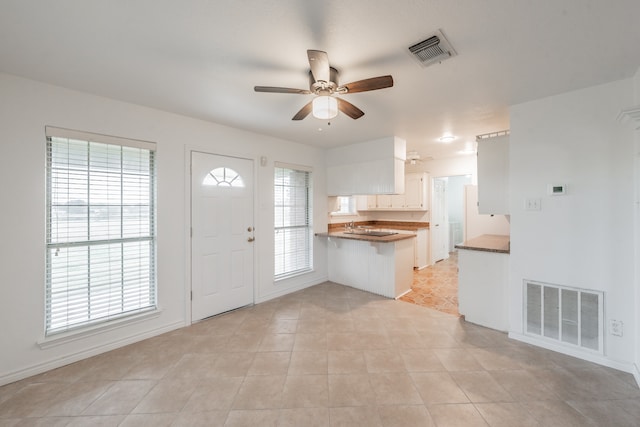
188,149
445,233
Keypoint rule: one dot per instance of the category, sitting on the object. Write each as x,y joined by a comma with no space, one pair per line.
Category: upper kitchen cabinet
414,197
372,167
415,191
493,173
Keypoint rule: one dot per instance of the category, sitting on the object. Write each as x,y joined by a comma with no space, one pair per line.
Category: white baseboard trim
10,377
403,294
286,291
590,357
82,333
636,373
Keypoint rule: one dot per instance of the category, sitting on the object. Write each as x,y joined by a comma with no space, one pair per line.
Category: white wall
583,239
476,224
25,108
463,165
637,224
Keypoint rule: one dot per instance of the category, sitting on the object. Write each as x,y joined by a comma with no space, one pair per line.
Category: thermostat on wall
557,189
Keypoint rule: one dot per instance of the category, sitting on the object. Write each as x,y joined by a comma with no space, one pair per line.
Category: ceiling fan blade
319,63
365,85
349,109
304,112
273,89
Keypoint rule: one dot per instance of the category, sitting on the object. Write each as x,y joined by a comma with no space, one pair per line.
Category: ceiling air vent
435,48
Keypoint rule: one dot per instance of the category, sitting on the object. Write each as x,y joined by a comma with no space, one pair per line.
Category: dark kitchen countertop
366,238
488,243
387,225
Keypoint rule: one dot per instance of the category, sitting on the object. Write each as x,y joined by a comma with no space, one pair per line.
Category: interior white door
438,225
222,234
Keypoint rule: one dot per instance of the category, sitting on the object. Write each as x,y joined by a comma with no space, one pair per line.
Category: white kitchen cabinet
383,201
366,202
372,167
420,246
421,249
493,175
383,268
483,279
372,201
414,197
415,191
398,200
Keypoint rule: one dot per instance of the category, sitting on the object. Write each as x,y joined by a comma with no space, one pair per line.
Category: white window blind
293,228
100,229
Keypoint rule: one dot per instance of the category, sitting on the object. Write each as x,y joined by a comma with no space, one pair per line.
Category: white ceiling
202,58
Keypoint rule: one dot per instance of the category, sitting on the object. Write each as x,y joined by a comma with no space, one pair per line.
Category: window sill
292,275
89,331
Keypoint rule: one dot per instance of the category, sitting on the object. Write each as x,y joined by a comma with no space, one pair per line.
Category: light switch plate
533,204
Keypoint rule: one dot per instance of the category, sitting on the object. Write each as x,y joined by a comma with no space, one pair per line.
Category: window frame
305,264
142,237
349,202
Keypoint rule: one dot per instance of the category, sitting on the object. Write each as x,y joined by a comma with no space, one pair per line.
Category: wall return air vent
566,315
435,49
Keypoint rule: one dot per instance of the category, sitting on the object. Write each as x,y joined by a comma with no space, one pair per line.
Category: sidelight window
293,227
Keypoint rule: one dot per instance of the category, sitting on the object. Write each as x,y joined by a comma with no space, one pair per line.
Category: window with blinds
293,228
100,229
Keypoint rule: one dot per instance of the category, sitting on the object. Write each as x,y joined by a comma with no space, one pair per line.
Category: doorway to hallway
447,214
436,286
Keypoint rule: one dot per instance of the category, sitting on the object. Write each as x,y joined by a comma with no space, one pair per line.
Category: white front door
222,234
438,224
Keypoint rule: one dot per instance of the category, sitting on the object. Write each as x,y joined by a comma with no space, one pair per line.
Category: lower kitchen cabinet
421,249
383,268
482,287
420,246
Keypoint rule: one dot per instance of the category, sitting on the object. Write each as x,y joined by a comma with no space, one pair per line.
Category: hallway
436,286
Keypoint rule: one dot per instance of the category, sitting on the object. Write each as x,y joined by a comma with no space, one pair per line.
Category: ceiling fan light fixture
325,107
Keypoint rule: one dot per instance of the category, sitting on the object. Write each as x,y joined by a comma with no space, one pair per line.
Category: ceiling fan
413,157
323,83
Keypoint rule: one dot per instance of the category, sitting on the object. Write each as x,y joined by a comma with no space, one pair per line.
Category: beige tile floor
326,356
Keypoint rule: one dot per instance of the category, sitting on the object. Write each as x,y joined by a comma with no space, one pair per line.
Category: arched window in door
223,177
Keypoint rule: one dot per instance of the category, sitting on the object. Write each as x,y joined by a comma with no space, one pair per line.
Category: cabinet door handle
251,239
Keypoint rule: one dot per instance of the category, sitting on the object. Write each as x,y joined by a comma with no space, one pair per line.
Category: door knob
250,229
251,239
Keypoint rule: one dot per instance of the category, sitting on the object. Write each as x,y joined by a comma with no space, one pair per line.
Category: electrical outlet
532,204
615,327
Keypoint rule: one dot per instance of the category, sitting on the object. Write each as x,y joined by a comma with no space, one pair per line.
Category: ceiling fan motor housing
324,88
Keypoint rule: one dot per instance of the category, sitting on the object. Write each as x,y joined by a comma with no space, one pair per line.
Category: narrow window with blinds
100,229
293,228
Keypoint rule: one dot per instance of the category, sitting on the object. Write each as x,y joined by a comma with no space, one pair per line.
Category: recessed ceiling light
447,138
